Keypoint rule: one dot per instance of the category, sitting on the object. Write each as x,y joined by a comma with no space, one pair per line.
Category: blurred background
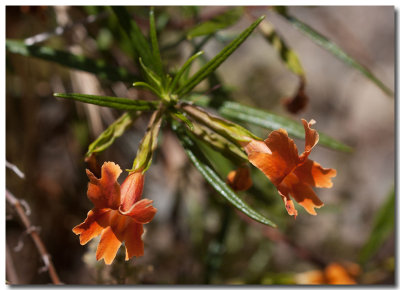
196,236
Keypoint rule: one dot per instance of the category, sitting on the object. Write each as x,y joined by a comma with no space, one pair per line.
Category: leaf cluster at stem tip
179,105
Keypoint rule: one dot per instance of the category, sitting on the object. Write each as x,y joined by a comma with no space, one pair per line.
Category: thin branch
10,268
16,170
32,231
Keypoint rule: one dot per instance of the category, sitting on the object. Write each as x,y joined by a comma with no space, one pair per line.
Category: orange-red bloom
292,174
118,213
334,273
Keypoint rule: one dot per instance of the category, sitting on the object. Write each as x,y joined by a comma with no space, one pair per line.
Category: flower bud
239,179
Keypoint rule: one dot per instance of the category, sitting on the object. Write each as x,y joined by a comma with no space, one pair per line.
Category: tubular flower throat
292,174
118,214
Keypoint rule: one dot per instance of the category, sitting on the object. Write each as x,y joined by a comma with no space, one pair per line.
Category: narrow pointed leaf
220,144
80,62
115,130
151,76
147,86
219,22
215,62
184,119
201,163
267,120
333,48
228,129
138,41
112,102
288,56
185,66
154,44
382,227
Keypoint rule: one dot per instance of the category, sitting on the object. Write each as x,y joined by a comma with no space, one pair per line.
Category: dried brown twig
32,231
10,268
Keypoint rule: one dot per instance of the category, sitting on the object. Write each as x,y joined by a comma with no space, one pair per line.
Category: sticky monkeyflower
118,214
292,174
334,273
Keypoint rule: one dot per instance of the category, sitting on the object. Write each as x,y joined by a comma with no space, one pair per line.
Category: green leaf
138,41
219,22
98,67
333,48
288,56
147,86
112,102
184,119
201,163
232,131
267,120
115,130
154,44
383,226
185,66
218,143
215,62
151,76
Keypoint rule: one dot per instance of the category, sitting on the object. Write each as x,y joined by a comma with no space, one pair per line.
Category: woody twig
32,231
12,277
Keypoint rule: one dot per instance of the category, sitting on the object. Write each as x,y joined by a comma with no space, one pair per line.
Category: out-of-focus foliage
80,62
334,49
217,23
383,226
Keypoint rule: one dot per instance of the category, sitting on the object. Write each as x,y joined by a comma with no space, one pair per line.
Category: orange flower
292,174
334,273
240,179
118,213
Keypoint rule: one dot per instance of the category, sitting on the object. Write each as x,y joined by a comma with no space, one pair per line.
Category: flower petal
95,222
282,160
255,146
131,190
141,212
289,205
108,246
133,240
313,174
273,166
314,277
105,192
306,197
280,144
337,274
312,138
301,192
